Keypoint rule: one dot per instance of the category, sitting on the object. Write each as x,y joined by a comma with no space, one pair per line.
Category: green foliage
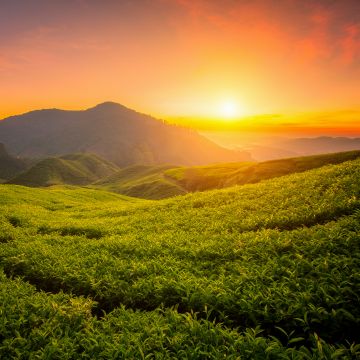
141,181
44,326
74,169
200,178
163,181
9,165
268,271
158,182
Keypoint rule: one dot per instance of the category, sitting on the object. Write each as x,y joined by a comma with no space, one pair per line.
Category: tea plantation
261,271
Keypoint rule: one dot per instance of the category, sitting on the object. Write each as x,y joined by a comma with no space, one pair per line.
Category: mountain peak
109,105
112,131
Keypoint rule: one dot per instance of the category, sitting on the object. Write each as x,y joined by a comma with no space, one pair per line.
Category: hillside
202,178
163,181
73,169
112,131
9,165
157,182
148,182
266,270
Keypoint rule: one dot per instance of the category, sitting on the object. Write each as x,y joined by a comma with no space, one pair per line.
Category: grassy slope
74,169
163,181
157,182
282,255
9,165
141,181
200,178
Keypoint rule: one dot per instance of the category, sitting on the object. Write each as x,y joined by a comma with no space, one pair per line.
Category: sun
228,109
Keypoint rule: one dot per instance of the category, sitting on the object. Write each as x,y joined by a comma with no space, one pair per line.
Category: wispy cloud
173,57
309,31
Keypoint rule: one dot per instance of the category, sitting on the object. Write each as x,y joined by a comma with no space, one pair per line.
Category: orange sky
181,60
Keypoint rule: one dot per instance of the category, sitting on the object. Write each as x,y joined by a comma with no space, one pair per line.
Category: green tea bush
269,270
38,325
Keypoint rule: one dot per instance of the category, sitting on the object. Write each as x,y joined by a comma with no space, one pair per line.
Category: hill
263,147
113,132
142,181
157,182
208,177
9,165
163,181
267,270
277,147
322,144
73,169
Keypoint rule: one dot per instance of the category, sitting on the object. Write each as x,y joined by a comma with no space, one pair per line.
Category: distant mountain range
321,145
281,148
112,131
270,146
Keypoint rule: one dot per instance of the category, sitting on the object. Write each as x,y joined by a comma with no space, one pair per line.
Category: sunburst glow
229,109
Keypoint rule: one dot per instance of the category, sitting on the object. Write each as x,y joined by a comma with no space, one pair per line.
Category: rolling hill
163,181
259,271
113,132
9,165
216,176
157,182
73,169
148,182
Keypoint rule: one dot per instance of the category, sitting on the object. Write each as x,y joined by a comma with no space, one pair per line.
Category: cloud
309,31
350,45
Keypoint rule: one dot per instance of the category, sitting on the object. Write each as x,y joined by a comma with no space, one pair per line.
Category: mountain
112,131
321,145
264,147
263,153
276,148
74,169
9,165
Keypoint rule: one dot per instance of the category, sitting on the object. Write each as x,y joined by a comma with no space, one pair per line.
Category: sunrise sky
281,65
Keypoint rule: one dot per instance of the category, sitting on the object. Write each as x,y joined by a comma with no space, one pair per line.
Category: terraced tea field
267,271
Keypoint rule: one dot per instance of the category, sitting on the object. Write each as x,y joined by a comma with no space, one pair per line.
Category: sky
270,65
